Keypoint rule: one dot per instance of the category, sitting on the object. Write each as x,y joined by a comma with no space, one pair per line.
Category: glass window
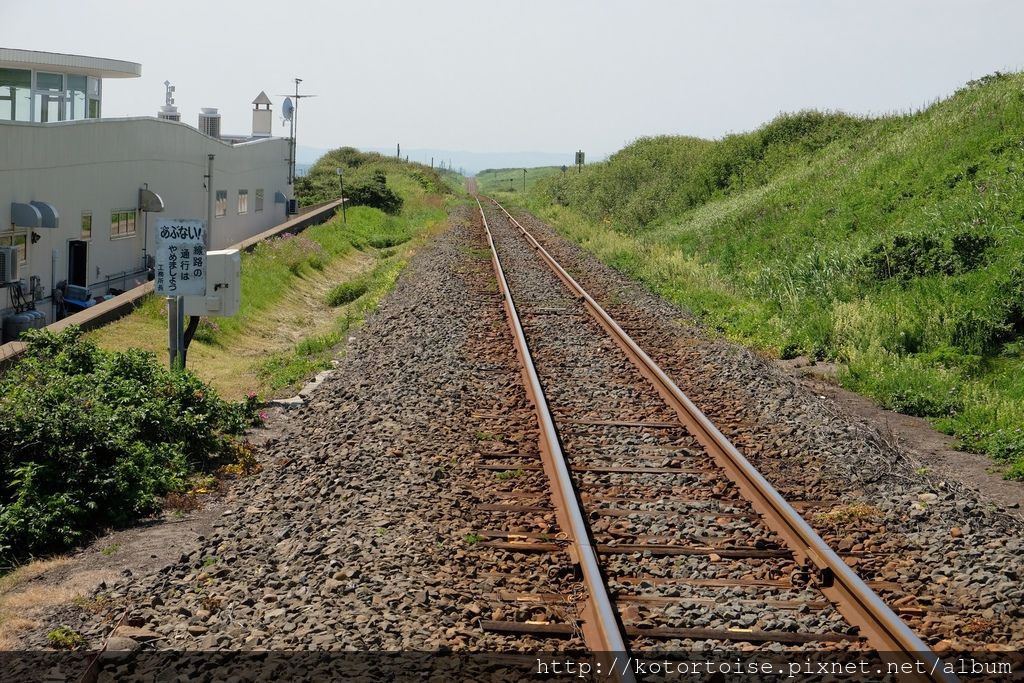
86,225
15,94
259,200
243,202
74,105
49,81
221,207
122,223
94,108
49,106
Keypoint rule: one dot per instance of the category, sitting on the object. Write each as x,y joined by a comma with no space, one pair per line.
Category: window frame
258,203
220,204
123,223
243,202
86,233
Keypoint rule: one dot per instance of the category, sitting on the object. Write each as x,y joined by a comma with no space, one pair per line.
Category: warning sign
180,257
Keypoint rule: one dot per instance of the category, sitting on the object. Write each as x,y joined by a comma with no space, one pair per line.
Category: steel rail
884,630
602,631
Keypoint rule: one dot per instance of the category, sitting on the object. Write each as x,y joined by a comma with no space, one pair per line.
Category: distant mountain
472,162
469,163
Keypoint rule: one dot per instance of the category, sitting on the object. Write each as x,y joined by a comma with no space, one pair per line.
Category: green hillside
370,179
892,245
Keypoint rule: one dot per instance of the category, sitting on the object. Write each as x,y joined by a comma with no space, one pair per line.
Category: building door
78,260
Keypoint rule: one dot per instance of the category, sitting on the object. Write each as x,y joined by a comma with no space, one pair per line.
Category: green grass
892,245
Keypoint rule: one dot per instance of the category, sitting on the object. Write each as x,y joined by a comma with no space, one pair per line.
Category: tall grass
892,245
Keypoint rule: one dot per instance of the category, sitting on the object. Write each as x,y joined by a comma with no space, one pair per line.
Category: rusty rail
601,626
893,640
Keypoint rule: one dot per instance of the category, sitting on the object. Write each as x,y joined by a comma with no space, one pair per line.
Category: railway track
677,538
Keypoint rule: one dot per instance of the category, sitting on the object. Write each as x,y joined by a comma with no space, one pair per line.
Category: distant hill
468,163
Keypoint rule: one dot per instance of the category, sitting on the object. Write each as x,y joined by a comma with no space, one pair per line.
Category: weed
245,461
111,549
482,435
180,503
505,475
203,483
64,638
844,514
209,561
97,604
472,538
210,603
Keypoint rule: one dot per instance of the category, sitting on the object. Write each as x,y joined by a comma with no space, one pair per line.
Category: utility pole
294,131
524,181
341,184
398,152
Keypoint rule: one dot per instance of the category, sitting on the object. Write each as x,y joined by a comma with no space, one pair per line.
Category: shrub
347,292
373,191
92,438
918,255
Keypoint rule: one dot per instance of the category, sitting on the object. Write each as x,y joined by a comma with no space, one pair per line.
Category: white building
79,194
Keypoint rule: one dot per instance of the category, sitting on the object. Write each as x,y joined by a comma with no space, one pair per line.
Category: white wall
99,165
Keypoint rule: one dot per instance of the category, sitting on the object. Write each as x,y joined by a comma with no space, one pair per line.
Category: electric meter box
223,285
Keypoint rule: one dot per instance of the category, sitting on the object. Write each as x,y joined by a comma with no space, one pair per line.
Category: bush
321,183
347,292
92,438
908,256
373,191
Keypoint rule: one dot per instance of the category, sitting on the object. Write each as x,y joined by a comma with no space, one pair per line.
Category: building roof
97,67
262,98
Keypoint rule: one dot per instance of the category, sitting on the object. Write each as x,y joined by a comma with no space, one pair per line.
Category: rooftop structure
45,87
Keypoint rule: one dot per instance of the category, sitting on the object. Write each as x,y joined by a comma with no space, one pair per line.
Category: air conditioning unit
8,265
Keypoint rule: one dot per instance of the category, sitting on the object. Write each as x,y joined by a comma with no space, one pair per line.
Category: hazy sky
533,75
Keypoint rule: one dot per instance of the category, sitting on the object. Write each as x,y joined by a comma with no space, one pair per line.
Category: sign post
180,271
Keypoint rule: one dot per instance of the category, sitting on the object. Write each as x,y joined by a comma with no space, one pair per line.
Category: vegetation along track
672,528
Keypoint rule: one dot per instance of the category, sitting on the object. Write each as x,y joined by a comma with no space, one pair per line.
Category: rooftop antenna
290,110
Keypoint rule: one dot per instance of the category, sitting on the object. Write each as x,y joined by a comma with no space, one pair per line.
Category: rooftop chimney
261,116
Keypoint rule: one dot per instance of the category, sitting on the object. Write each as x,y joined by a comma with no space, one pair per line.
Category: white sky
527,75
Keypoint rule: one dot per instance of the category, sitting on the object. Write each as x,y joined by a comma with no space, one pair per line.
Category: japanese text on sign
180,257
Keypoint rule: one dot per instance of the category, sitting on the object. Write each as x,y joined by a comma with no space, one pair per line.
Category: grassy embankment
302,294
891,245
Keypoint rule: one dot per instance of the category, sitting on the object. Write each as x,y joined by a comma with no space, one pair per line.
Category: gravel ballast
364,530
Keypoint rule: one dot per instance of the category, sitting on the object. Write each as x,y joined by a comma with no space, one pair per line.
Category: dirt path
915,436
